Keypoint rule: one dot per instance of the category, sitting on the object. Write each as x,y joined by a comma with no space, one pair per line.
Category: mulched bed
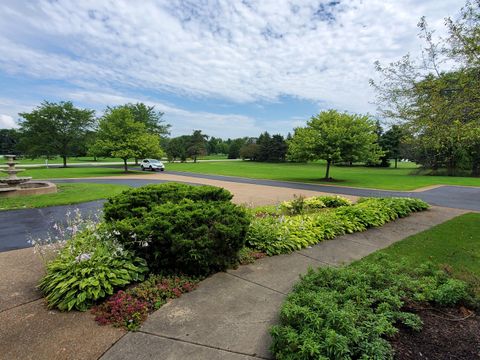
444,336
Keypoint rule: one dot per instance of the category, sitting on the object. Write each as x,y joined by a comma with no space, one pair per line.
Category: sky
231,68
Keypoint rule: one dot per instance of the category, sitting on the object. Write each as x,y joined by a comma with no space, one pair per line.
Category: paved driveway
17,226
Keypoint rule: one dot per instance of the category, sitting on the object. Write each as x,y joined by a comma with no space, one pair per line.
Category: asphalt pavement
17,227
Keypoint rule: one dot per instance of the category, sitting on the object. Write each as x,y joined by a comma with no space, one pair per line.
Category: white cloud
7,122
184,121
246,51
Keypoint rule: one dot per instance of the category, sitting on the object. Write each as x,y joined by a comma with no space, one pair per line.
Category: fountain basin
28,188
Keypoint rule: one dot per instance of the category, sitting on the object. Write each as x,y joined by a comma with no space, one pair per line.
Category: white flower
83,257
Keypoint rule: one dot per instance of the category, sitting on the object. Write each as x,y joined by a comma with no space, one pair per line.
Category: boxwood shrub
190,230
139,201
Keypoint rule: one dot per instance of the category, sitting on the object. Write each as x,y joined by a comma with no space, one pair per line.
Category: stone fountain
13,185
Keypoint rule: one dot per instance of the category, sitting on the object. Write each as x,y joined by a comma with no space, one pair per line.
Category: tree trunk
476,168
195,159
64,161
94,158
327,175
396,161
136,161
125,166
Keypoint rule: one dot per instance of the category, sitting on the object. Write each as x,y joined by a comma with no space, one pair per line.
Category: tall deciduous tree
177,148
333,136
197,145
121,136
439,104
55,129
8,141
391,142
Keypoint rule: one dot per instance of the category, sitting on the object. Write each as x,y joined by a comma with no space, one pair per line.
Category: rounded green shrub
138,202
190,237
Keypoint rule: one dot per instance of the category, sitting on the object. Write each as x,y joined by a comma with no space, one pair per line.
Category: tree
121,136
177,148
278,148
54,129
250,149
151,118
234,148
8,141
264,143
197,145
391,142
439,105
333,136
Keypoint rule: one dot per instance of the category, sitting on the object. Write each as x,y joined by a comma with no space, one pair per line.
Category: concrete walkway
28,330
229,315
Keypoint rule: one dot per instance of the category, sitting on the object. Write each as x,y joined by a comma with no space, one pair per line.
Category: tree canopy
439,104
333,136
119,135
54,129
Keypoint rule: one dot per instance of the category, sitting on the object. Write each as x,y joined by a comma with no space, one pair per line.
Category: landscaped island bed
175,234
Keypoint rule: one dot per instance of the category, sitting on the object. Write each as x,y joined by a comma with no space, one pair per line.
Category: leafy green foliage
138,202
335,136
439,107
120,135
54,129
129,308
176,227
249,256
191,237
283,234
89,268
350,312
334,201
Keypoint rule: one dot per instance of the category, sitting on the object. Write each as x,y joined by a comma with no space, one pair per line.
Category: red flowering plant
128,309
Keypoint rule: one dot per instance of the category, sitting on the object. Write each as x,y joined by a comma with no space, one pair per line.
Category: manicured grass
454,244
213,157
67,194
355,176
74,172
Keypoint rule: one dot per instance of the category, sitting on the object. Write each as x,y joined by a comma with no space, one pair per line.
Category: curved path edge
229,315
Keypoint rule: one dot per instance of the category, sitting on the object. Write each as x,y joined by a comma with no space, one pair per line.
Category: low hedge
350,312
282,234
138,202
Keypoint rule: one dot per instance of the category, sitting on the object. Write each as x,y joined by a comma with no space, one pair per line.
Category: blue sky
230,68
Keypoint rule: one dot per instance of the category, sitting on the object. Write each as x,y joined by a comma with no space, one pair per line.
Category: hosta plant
90,267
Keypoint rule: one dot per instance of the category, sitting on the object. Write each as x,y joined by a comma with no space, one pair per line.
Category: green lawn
79,172
213,157
67,194
356,176
454,244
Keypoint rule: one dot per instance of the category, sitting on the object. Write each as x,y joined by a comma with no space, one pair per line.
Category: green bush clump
333,201
138,202
89,268
189,237
350,312
283,234
302,205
